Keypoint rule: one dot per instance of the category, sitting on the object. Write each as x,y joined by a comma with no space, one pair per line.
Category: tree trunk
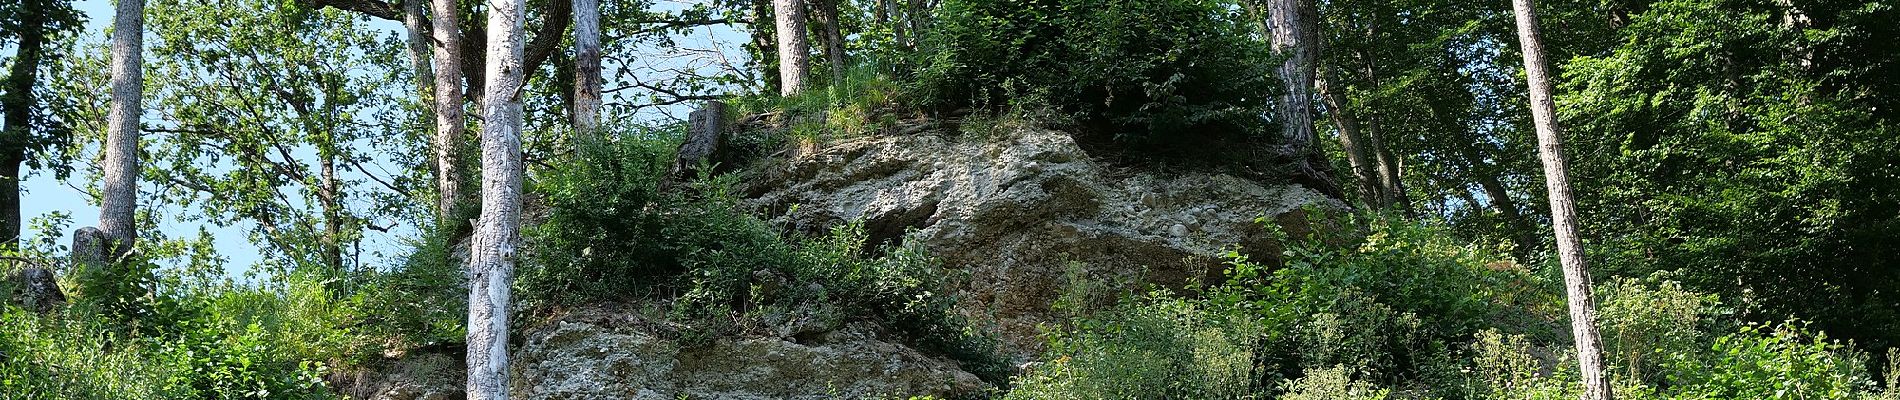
827,11
1391,182
1354,143
793,50
491,263
587,68
120,195
765,44
1500,200
449,116
415,23
17,129
329,193
1292,34
1563,212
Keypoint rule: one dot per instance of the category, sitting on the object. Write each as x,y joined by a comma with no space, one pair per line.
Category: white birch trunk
1563,212
491,263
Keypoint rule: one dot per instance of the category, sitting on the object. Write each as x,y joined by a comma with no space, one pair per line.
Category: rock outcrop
1016,209
608,353
605,354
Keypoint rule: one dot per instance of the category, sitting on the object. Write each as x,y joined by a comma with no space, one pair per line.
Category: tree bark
449,116
587,79
827,11
1291,32
1391,182
120,195
19,103
1353,141
793,50
491,264
765,43
1563,211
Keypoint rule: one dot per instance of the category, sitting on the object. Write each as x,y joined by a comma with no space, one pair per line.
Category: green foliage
1332,384
1751,153
1177,73
1408,312
612,235
209,342
1153,347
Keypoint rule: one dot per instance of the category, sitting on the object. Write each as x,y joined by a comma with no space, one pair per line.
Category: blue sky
44,195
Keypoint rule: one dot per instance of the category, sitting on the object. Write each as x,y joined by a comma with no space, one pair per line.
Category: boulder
1016,209
600,353
35,289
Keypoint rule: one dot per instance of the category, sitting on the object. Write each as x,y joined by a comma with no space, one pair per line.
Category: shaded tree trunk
765,44
1292,34
1390,179
1563,211
19,102
793,49
119,198
491,261
587,68
449,116
1353,141
827,13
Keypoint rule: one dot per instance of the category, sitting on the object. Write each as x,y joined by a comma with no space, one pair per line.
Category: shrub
1334,383
1147,72
1643,324
611,235
1152,347
1781,361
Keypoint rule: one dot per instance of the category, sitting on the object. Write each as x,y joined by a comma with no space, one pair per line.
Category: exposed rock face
599,354
1017,209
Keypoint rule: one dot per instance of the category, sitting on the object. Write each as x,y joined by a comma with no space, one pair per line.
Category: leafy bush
1155,347
1151,72
612,235
1334,383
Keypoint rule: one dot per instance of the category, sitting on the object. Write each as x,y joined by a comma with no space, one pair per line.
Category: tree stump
35,289
705,141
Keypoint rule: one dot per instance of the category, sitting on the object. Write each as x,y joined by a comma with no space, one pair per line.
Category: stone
35,289
1016,208
601,353
705,141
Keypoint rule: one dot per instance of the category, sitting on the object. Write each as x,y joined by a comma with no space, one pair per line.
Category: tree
30,23
491,261
586,68
1563,211
828,24
448,99
120,195
793,51
1292,32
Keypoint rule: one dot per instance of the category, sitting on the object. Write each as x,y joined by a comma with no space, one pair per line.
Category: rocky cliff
1018,208
1013,212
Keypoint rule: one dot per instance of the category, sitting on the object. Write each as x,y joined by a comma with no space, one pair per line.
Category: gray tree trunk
415,23
120,195
15,131
587,68
1292,34
1563,212
765,41
449,116
827,11
491,264
1290,31
1353,141
794,63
